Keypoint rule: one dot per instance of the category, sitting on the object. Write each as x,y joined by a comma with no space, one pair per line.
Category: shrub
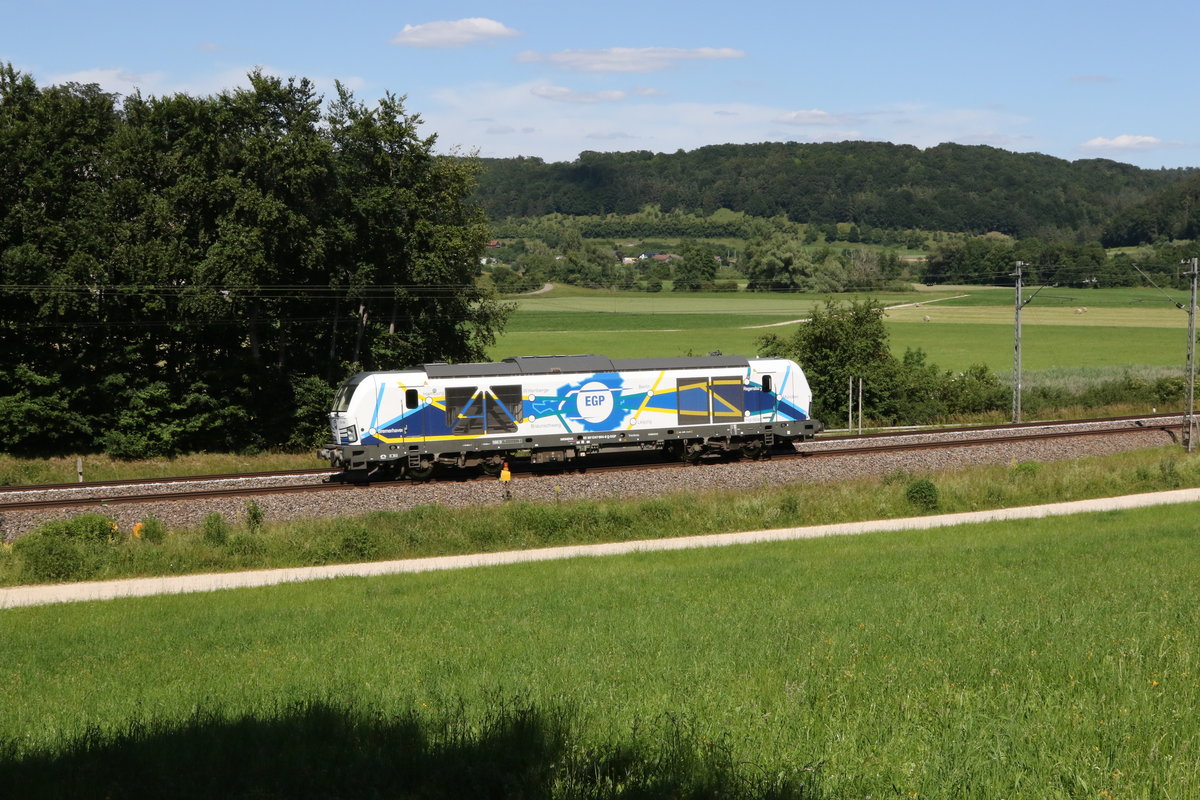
51,558
216,530
923,494
94,528
1026,469
254,516
153,530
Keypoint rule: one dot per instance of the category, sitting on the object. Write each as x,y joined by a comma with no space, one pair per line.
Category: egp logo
594,402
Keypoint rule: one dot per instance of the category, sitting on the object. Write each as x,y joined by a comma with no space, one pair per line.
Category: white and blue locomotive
562,408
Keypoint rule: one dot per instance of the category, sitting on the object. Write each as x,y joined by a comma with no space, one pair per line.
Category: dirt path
142,587
885,308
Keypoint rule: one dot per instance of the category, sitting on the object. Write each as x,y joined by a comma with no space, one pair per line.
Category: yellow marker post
505,478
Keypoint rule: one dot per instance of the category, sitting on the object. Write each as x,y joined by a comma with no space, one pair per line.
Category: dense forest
951,187
1173,213
184,273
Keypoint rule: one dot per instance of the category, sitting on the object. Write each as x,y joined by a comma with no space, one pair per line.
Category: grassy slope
1054,658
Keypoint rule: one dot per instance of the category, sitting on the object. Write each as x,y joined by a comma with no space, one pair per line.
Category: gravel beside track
631,483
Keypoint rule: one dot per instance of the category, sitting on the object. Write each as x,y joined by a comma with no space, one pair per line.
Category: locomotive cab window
341,400
766,383
410,398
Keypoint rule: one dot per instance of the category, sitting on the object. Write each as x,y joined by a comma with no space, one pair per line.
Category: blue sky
551,79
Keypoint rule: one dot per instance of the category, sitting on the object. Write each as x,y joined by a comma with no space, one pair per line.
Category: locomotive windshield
341,400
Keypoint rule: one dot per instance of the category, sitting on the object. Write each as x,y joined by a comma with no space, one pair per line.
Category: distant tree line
956,188
185,273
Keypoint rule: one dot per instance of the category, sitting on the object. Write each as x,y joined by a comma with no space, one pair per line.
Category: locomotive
563,408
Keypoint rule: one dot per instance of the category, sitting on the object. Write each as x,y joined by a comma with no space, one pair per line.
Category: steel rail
233,476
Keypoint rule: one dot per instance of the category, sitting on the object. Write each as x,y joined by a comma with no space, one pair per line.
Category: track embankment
819,461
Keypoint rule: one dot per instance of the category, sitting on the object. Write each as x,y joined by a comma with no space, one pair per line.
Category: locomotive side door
414,428
770,388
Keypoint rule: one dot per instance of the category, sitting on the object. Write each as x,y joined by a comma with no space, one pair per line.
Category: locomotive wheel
491,468
421,473
753,450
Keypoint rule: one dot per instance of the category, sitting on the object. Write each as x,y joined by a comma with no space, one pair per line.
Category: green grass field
1047,659
1120,329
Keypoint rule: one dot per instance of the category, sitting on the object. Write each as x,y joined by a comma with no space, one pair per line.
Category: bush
216,530
1026,469
51,558
88,528
923,494
254,516
94,528
153,530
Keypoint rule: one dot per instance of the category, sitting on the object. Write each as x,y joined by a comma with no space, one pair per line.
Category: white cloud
559,131
454,33
116,80
564,95
811,117
627,59
610,136
159,84
1123,142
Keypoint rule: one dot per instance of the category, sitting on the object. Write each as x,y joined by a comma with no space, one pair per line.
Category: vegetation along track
185,502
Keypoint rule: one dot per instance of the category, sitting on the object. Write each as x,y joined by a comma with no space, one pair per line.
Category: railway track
177,479
102,494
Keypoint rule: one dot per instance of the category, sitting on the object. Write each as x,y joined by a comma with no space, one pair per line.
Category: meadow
1047,659
956,326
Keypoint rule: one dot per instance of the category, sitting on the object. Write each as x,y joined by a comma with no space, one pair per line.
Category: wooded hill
951,187
1173,213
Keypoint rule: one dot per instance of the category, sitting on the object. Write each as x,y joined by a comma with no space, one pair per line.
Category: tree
843,343
838,343
179,273
698,267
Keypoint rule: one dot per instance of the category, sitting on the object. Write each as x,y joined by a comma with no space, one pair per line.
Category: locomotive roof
546,365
